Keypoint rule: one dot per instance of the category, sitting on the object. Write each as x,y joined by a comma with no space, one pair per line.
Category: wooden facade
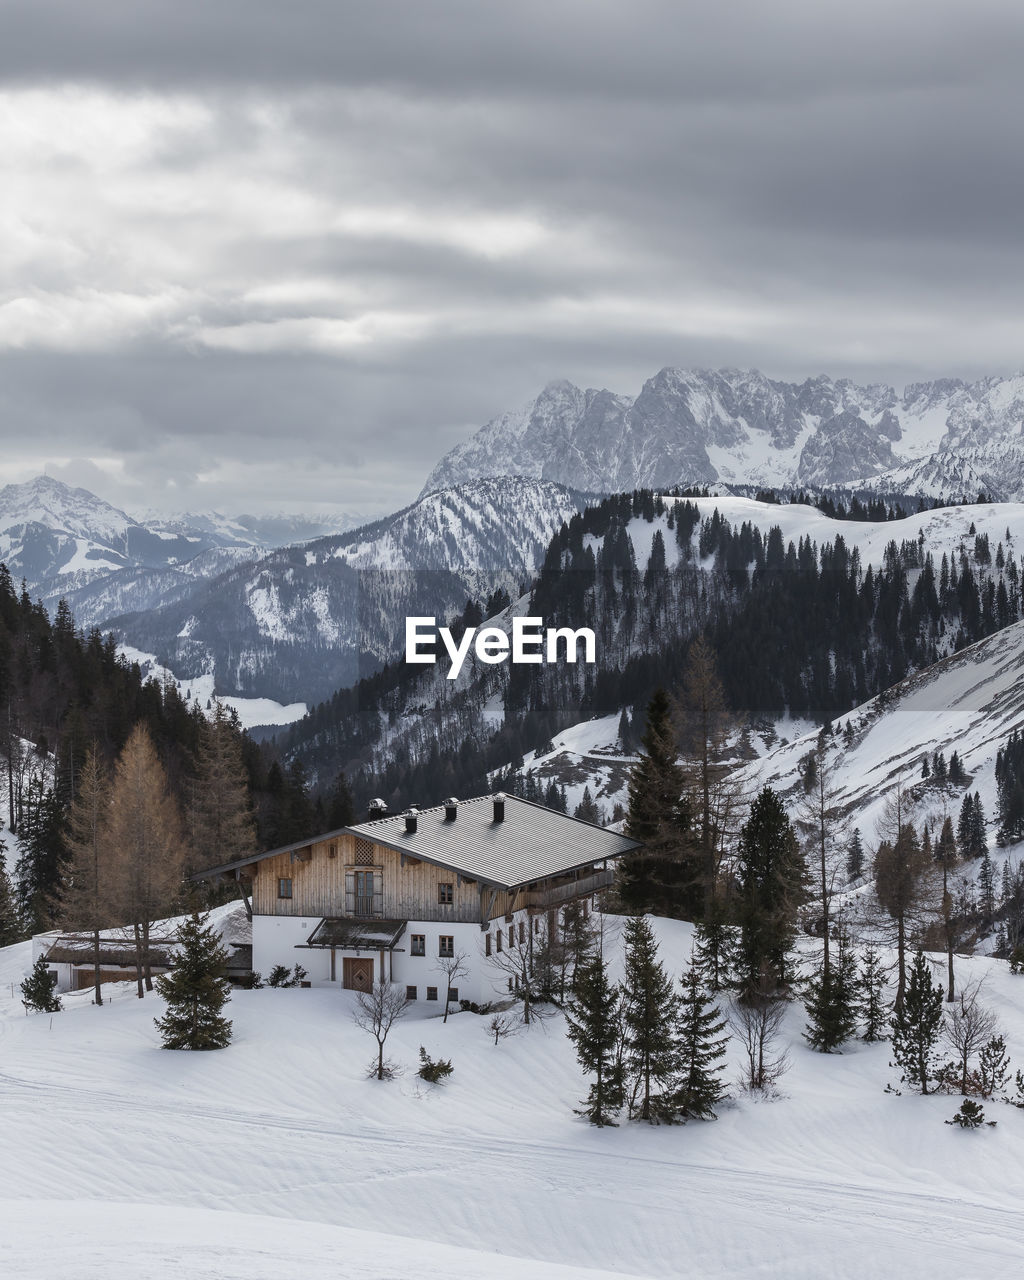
319,882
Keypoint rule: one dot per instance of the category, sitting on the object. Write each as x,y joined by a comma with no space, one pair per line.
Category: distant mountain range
67,542
299,622
946,437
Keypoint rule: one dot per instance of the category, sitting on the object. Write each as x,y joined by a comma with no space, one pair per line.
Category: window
364,852
410,993
431,993
536,924
453,995
445,945
364,893
498,935
487,945
284,888
419,944
445,892
522,932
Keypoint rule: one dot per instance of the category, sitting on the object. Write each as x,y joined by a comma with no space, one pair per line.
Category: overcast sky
257,255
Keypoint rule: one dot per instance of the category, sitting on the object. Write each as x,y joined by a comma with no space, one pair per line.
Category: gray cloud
264,255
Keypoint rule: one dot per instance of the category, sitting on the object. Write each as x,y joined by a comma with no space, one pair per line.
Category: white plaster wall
275,939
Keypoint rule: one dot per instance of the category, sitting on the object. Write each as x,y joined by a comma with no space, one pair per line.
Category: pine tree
662,876
987,888
593,1025
773,885
978,841
196,990
832,999
871,986
855,856
701,1050
587,809
916,1026
341,809
946,856
625,734
714,950
39,990
10,925
39,870
650,1011
963,826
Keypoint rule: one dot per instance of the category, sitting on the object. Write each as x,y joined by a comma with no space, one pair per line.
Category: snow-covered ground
251,711
277,1158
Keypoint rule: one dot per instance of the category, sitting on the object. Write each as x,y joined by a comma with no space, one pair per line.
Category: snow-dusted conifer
650,1011
871,985
594,1026
196,990
832,999
701,1050
39,990
916,1026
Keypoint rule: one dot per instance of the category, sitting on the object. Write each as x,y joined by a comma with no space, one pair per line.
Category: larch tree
145,830
90,870
821,813
223,825
705,722
902,871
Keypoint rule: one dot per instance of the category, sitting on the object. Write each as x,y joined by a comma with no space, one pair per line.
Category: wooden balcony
555,895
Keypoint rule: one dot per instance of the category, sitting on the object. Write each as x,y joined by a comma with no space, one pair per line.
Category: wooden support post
485,912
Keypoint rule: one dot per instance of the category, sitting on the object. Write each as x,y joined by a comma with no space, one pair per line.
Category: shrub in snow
971,1116
38,991
282,976
433,1071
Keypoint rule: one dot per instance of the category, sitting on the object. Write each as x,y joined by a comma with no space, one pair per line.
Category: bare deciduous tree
89,871
820,812
453,968
968,1027
376,1012
756,1025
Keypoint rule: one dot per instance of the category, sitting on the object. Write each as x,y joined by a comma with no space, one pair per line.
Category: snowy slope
161,1164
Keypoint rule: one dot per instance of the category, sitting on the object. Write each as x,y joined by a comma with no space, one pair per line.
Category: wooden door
357,974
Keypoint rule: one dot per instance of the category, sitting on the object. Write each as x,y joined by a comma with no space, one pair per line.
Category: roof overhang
356,935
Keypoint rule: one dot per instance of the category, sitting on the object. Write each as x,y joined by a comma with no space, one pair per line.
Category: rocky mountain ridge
740,426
